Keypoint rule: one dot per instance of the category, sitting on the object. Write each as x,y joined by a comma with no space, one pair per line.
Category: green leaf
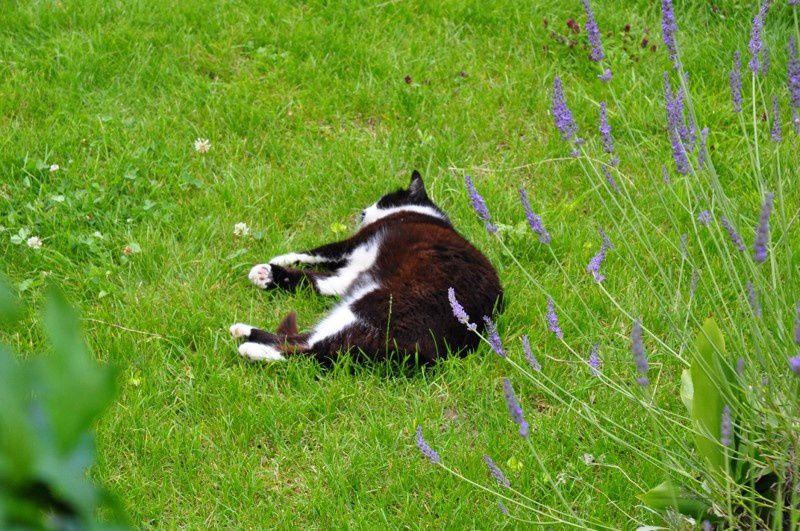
9,304
666,496
687,389
710,383
76,388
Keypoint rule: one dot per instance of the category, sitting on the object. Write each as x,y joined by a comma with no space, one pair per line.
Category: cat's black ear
417,187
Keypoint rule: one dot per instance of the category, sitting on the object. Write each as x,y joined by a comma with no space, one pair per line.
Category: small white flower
202,145
35,242
55,167
588,459
241,229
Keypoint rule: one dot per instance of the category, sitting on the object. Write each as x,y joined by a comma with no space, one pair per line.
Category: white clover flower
34,242
202,145
241,229
55,167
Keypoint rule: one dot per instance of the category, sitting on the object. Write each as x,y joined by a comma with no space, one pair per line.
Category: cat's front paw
261,275
240,330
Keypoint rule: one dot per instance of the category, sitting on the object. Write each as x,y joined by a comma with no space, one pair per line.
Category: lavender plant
729,460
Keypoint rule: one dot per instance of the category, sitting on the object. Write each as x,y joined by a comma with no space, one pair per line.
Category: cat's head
411,199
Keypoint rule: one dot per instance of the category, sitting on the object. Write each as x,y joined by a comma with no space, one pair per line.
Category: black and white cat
393,277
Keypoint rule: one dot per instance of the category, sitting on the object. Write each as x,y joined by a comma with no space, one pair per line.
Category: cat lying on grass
393,277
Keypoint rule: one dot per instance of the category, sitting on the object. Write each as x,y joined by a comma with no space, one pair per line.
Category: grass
314,110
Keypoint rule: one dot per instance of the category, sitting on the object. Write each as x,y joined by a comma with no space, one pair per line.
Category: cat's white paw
259,352
240,330
285,260
261,275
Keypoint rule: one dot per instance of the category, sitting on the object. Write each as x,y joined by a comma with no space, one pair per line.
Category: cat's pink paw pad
261,275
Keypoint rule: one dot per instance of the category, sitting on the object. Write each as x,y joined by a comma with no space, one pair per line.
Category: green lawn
313,110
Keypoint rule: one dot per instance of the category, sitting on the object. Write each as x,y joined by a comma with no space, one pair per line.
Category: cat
393,277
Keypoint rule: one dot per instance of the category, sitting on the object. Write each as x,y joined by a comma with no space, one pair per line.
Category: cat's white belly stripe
360,260
285,260
341,317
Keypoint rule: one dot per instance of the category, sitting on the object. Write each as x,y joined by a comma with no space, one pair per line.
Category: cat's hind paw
261,275
240,330
259,352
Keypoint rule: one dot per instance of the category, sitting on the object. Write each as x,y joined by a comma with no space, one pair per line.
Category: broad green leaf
9,304
709,383
666,496
76,388
687,389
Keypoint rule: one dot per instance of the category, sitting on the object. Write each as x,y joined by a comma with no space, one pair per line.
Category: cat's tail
288,325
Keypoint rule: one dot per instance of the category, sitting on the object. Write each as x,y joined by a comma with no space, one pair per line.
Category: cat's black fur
393,276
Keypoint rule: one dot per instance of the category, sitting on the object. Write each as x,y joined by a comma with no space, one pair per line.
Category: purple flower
725,427
777,130
762,233
794,364
534,220
756,45
637,346
494,337
704,217
501,478
668,29
735,238
594,34
675,124
595,363
794,73
514,409
479,205
561,113
502,507
707,525
753,299
605,130
693,283
458,310
610,178
552,319
735,81
740,366
605,77
597,260
794,2
797,325
531,359
796,121
425,448
665,175
701,151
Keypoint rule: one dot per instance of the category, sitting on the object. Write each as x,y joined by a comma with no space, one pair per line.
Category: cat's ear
417,187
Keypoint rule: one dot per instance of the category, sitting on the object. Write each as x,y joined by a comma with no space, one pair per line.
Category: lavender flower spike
777,130
458,310
597,260
668,29
425,448
756,44
514,408
501,478
594,34
639,356
595,363
561,113
794,364
552,319
605,77
494,337
797,325
735,81
479,205
610,178
794,73
702,154
675,124
735,238
529,357
762,233
726,427
605,130
752,297
704,217
534,220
